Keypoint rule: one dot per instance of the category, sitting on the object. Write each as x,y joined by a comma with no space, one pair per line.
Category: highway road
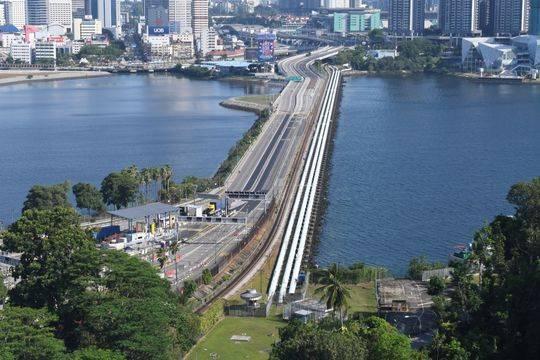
267,163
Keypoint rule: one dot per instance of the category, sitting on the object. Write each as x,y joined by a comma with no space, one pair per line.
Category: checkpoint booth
149,222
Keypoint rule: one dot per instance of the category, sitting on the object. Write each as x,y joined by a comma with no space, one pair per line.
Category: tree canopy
119,189
87,196
46,197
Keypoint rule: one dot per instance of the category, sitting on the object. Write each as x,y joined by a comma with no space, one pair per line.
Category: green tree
119,189
173,249
93,353
87,196
28,334
300,341
384,341
46,197
3,289
444,348
436,285
419,264
58,258
190,287
206,277
333,290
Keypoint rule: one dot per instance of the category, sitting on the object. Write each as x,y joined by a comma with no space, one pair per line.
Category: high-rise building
37,12
336,4
180,16
15,12
79,8
60,12
2,14
86,28
485,16
106,11
458,17
534,18
200,17
510,17
406,16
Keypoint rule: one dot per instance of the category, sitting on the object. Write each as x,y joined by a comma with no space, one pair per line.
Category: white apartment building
200,17
21,51
160,45
15,12
85,28
6,39
61,12
108,12
208,40
45,50
180,14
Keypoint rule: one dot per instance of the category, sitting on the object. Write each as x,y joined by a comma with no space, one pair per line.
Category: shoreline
14,77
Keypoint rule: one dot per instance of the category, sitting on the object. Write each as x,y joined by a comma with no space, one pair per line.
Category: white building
21,51
208,40
2,14
200,17
15,12
85,28
108,12
45,50
160,46
180,15
6,39
518,57
61,12
335,4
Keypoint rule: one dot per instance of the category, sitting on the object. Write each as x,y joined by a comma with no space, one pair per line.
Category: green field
362,297
217,344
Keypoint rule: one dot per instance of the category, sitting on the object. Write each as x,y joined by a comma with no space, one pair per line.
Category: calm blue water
81,130
420,163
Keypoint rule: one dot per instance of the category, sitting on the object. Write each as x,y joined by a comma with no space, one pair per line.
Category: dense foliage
89,299
87,196
353,274
495,314
419,264
372,338
46,197
418,55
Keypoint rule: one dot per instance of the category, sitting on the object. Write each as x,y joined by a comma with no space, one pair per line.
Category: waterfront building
180,14
200,17
208,41
60,12
45,50
84,29
516,56
406,17
510,17
534,18
15,12
458,17
21,51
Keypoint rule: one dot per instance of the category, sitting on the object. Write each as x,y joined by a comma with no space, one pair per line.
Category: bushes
354,274
212,316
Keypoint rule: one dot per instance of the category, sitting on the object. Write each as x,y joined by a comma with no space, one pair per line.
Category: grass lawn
217,344
362,297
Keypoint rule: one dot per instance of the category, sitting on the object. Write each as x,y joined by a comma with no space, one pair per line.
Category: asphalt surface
264,167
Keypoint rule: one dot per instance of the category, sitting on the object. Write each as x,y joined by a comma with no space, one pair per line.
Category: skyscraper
180,15
37,12
510,17
406,16
107,11
60,12
78,8
534,19
15,12
200,17
458,17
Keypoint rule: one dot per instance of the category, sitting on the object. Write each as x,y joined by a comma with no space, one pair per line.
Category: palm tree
173,249
333,291
155,177
166,173
146,177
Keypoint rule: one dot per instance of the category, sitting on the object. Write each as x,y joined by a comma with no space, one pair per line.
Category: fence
245,311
